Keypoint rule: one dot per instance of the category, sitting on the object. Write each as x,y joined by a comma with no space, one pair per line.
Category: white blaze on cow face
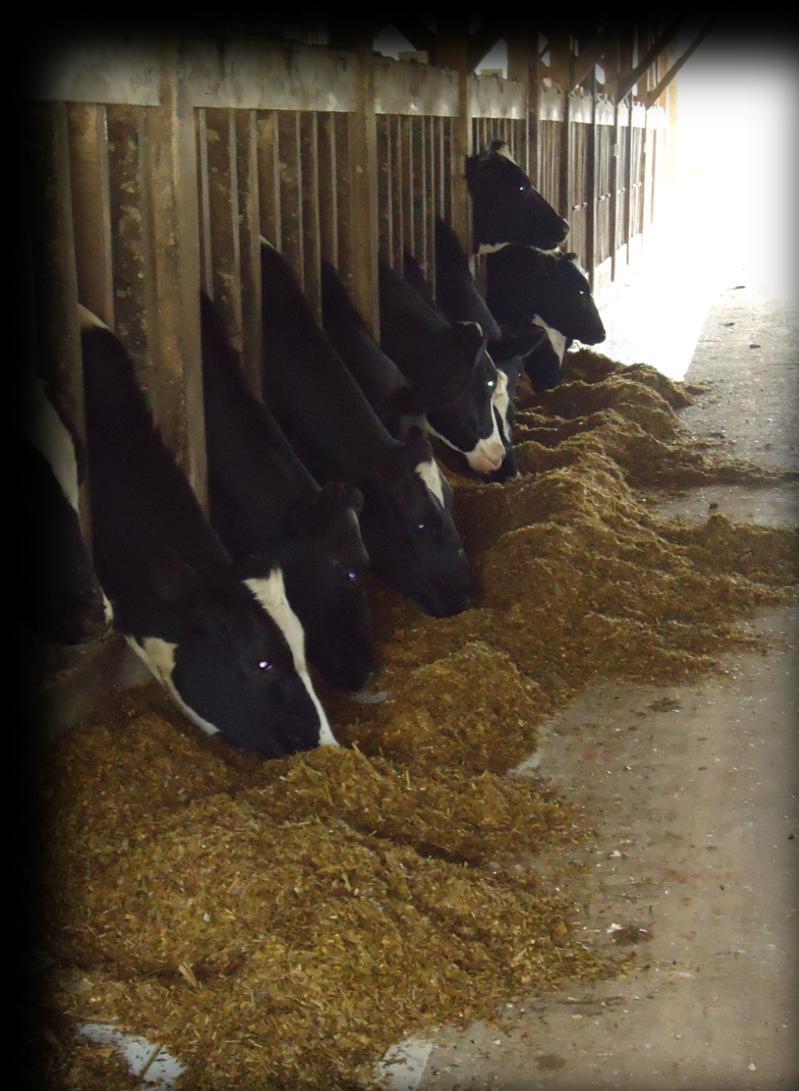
501,401
159,656
556,339
487,454
270,593
431,475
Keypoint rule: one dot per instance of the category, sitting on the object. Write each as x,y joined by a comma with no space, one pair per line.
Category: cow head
566,301
231,653
324,561
408,529
468,424
506,207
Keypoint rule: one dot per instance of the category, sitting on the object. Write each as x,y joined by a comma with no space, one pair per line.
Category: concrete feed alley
693,791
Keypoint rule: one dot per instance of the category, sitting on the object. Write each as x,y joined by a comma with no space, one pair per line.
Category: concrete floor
694,792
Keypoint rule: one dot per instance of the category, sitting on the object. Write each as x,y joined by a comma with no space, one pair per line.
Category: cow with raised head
262,498
220,637
548,289
406,520
427,348
506,207
66,603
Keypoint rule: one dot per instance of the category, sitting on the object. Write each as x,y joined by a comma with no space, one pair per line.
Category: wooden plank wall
153,171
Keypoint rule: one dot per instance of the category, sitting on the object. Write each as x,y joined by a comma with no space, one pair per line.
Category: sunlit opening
727,216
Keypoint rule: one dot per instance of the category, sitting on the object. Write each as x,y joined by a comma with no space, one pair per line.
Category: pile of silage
281,924
627,414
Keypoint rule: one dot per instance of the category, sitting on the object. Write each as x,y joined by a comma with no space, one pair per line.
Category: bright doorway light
728,216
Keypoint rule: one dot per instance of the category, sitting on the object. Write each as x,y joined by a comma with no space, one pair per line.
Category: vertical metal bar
223,225
204,210
310,210
291,205
346,225
130,236
269,177
328,188
385,165
249,212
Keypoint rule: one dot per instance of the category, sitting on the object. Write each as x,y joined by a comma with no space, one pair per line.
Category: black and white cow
548,289
427,348
399,402
220,637
406,520
459,299
66,604
506,207
262,499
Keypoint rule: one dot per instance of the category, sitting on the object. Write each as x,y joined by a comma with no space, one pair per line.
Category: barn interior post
361,195
175,269
522,67
452,51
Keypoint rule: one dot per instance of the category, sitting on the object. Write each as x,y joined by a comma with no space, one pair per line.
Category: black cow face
527,285
324,562
408,529
569,306
506,207
233,667
469,424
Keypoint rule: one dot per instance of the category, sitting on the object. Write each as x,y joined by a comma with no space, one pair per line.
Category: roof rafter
626,83
652,96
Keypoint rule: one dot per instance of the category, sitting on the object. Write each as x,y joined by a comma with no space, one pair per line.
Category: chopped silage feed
281,924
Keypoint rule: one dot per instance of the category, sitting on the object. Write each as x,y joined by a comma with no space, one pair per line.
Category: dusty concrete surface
693,790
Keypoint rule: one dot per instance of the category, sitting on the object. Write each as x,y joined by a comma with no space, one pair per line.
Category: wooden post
174,270
88,156
522,59
246,140
561,68
223,219
452,51
591,196
363,241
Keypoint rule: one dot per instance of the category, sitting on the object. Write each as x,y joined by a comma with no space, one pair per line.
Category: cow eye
264,665
421,526
350,575
491,383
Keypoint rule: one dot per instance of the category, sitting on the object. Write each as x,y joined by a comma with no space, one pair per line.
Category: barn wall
153,170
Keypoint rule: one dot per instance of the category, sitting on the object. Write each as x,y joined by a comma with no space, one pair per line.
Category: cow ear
468,338
408,400
417,446
172,579
412,272
333,499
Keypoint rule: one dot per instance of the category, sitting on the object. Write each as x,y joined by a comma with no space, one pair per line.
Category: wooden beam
417,32
585,61
483,41
651,98
452,50
627,83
